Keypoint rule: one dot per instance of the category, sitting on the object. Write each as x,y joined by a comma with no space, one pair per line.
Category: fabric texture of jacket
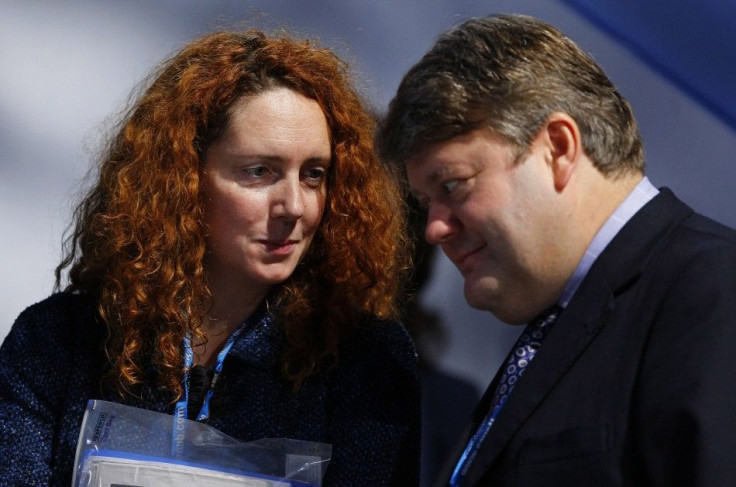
367,407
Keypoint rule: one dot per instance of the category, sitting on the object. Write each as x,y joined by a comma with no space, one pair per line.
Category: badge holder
123,446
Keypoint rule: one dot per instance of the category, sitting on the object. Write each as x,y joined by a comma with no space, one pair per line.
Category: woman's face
264,190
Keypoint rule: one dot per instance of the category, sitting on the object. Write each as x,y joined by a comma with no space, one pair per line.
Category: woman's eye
314,175
256,171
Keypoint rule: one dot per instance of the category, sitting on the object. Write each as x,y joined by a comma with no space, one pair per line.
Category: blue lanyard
180,410
471,450
178,433
522,351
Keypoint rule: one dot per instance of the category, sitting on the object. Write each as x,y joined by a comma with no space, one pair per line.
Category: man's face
493,213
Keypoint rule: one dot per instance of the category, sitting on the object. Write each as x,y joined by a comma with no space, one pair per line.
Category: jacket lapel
480,412
571,334
259,342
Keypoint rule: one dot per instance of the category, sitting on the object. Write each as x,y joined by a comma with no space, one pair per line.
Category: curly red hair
138,238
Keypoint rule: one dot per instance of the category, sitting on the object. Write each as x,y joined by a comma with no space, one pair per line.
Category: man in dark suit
531,167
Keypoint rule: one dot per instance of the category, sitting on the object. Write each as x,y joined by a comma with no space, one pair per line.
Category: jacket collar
259,342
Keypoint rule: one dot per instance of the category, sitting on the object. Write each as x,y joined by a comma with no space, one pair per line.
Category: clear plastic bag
123,446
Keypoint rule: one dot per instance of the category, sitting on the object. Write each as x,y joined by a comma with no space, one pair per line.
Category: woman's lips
280,247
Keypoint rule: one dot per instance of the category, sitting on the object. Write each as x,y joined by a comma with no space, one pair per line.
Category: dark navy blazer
635,384
367,408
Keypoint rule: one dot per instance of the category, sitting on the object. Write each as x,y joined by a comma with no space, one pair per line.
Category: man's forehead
421,169
430,155
436,159
427,169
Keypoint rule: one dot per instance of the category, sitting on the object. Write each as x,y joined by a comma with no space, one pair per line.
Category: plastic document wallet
124,446
113,469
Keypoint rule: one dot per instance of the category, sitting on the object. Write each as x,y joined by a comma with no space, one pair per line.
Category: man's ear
563,139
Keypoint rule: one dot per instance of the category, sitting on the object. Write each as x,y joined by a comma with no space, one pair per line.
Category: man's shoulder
666,222
688,253
697,235
667,204
706,230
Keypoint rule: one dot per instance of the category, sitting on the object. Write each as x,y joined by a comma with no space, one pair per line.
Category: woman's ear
563,136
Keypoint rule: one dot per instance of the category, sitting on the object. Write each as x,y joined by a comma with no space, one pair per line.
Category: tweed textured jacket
367,408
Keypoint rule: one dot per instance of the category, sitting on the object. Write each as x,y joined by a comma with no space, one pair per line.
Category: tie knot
547,317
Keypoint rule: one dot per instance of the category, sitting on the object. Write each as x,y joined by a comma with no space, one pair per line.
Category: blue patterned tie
523,353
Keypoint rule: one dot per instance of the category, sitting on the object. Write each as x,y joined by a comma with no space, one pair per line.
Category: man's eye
450,185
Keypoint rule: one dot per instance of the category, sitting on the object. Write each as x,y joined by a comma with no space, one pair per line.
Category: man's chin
484,295
479,296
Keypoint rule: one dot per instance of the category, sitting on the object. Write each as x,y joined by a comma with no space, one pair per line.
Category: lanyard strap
471,449
179,431
204,412
522,354
180,409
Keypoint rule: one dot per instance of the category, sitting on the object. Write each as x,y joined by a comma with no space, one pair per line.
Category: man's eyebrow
440,172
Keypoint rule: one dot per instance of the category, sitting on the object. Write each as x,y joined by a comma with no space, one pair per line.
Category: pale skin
264,190
516,228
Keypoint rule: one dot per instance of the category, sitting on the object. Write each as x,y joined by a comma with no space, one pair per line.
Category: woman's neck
229,309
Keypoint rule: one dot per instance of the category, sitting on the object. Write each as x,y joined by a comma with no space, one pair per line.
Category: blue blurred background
68,68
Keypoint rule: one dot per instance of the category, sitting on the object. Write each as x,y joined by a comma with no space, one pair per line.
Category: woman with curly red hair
238,261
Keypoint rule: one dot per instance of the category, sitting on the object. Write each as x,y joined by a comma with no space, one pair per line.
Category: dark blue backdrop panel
693,43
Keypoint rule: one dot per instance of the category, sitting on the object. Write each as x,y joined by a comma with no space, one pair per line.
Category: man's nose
441,225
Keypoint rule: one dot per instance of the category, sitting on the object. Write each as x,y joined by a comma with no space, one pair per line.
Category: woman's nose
289,202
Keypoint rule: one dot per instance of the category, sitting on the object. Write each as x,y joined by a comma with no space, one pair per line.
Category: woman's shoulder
64,315
376,337
375,384
59,306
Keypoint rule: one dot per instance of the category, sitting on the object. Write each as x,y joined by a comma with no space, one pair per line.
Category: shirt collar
639,196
